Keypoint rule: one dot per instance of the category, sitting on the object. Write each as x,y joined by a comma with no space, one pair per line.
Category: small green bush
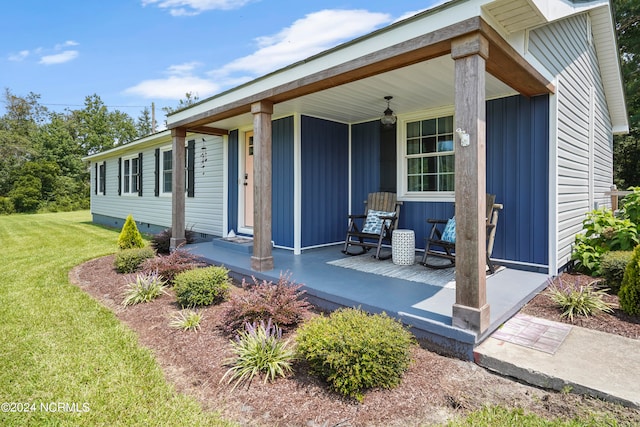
161,242
144,288
187,320
631,206
281,302
603,232
259,349
129,236
613,266
354,351
168,266
6,206
130,260
629,294
574,300
202,286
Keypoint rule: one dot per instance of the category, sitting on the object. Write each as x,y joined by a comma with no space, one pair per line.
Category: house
533,86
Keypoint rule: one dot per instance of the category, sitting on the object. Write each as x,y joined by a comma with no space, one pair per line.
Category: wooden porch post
471,310
177,187
262,259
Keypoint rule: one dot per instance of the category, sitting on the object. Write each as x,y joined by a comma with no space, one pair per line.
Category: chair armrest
392,217
437,221
356,216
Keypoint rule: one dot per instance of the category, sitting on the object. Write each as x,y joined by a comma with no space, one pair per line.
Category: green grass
496,416
59,346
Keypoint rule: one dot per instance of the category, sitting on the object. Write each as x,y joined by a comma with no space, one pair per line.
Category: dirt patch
433,391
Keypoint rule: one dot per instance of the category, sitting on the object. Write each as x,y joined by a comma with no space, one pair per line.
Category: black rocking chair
375,227
439,238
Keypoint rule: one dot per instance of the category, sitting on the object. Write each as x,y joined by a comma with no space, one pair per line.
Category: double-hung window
130,175
167,171
102,178
428,155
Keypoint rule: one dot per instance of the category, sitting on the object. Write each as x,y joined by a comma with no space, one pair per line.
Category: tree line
41,151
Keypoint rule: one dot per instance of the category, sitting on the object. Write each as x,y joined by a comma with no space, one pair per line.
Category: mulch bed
434,390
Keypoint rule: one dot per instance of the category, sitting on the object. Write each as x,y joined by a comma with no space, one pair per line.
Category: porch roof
348,83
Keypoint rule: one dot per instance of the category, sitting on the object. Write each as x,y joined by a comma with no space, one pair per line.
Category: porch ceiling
417,87
417,72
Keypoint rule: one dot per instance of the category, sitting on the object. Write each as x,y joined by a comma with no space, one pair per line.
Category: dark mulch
616,322
434,390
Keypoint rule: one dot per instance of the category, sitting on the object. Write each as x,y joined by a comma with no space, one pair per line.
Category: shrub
168,266
631,206
259,349
354,351
129,236
280,302
574,300
629,294
146,287
612,267
130,260
603,232
187,320
6,206
162,241
202,286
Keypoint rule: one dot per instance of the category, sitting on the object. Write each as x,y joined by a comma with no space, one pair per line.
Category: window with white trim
167,170
130,175
428,156
102,177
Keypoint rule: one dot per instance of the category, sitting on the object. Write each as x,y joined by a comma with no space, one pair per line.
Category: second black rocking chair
442,238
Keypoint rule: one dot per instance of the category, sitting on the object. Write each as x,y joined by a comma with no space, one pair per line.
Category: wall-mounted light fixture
388,119
463,136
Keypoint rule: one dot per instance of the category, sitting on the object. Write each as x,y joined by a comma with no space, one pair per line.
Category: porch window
428,156
131,176
167,170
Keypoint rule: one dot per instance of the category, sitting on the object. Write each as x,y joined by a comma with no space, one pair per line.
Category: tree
99,129
23,114
190,98
144,124
627,147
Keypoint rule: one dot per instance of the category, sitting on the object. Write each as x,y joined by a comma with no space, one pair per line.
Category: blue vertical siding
517,172
282,181
325,181
232,197
365,160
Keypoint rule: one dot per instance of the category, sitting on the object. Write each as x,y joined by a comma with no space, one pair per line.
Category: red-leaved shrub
281,302
168,266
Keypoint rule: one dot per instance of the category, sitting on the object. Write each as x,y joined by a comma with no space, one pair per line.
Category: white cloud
49,56
59,58
68,43
181,80
307,36
312,34
20,56
195,7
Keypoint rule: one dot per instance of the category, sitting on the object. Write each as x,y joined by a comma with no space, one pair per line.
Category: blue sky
135,52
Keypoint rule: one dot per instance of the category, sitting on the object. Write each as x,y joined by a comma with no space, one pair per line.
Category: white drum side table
403,247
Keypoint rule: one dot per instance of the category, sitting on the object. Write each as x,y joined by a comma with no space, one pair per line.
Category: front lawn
65,359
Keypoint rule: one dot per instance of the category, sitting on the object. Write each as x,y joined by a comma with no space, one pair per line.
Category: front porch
423,306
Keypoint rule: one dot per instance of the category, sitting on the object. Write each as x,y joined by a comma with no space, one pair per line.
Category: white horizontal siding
563,47
203,213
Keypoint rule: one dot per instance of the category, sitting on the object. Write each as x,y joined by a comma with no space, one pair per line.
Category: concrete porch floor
424,307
